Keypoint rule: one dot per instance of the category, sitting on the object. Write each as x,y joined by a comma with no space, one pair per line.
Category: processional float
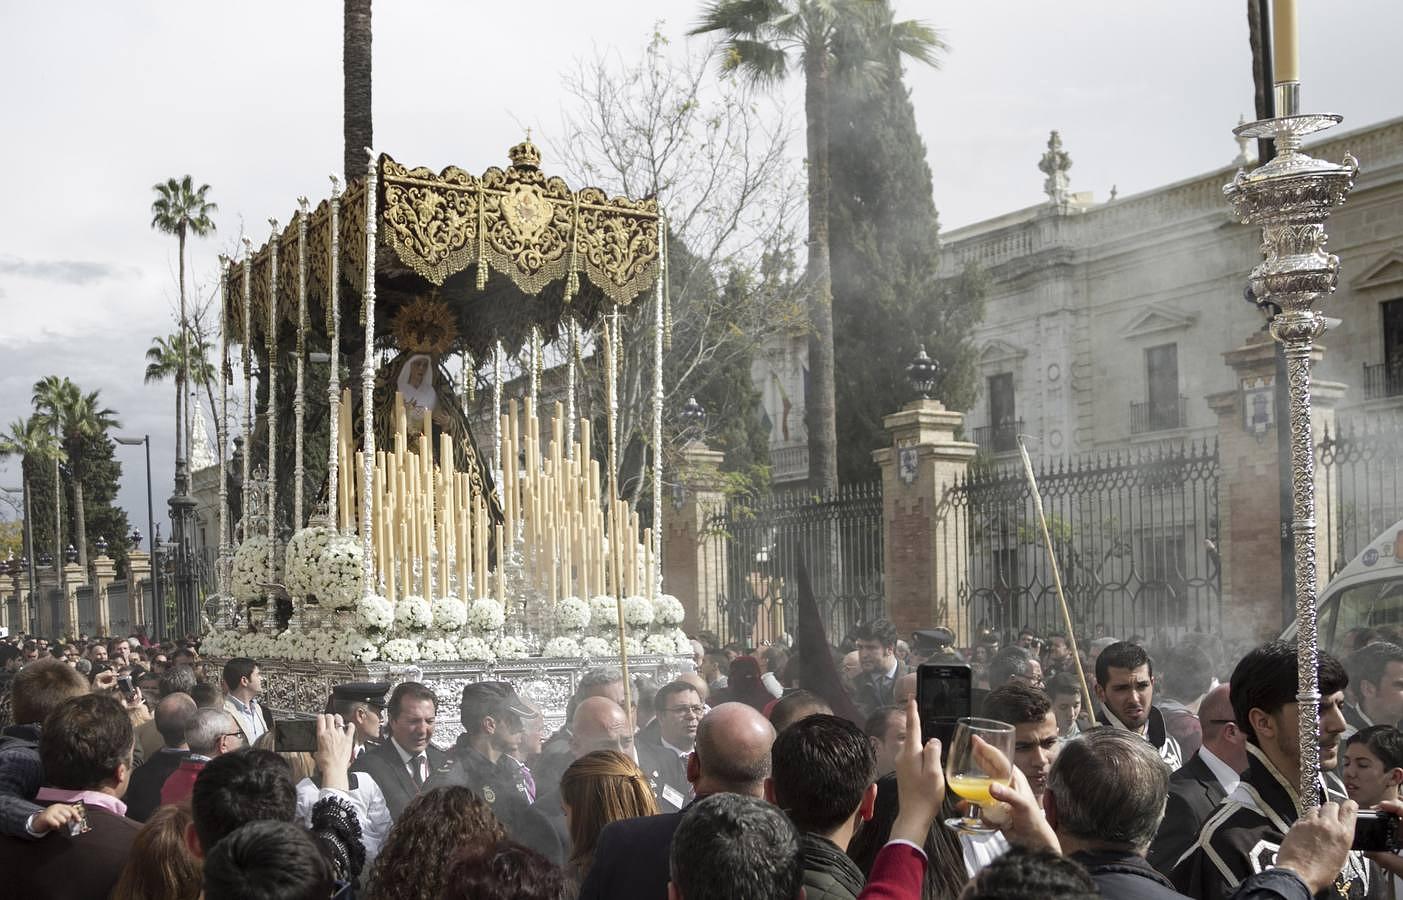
422,548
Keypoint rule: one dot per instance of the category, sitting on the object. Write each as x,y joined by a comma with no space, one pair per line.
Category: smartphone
295,735
1376,831
944,695
124,684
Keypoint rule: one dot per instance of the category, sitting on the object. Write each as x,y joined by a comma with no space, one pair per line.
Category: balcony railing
789,463
1000,438
1383,380
1147,417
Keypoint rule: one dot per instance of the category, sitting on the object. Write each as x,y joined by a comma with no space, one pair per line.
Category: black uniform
507,797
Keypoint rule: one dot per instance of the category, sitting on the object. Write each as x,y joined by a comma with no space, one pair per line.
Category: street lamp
150,521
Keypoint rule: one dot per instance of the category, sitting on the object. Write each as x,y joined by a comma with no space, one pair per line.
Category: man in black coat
173,714
875,686
402,764
732,755
1204,782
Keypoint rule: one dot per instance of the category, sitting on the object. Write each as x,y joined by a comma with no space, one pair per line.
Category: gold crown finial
525,155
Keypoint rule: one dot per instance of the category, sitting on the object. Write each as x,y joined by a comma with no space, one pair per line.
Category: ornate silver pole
272,345
655,577
299,396
573,351
535,379
221,432
333,390
368,377
1290,198
497,419
246,504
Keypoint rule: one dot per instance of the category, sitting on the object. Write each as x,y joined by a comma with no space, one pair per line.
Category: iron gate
1360,478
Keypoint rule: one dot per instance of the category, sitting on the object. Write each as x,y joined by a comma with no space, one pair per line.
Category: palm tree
181,209
356,130
166,358
31,441
825,39
74,417
50,395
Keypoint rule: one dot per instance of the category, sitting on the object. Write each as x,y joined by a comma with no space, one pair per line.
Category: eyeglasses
686,710
234,734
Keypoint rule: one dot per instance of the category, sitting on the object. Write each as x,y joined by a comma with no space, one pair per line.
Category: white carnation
476,649
413,614
638,612
684,643
359,648
401,650
595,647
450,613
486,614
340,574
572,614
440,649
250,570
633,645
660,644
667,610
301,561
603,613
562,648
374,613
511,647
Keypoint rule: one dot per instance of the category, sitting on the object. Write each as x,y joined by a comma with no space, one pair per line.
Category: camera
295,735
1376,831
124,684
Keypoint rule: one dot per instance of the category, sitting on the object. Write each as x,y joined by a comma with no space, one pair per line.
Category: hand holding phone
295,735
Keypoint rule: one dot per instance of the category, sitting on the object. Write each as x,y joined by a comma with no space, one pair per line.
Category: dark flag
817,672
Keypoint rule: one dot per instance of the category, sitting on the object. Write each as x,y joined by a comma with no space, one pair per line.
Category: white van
1367,593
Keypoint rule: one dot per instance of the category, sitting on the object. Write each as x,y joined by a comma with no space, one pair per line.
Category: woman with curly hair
413,864
504,871
161,866
599,788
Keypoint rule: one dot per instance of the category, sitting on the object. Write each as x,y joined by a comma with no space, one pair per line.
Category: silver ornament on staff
1290,198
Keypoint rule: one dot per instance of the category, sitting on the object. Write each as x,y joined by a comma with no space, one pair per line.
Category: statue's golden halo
425,325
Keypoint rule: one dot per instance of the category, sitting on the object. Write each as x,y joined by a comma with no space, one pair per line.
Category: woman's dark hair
945,872
413,864
504,870
1384,741
267,860
160,863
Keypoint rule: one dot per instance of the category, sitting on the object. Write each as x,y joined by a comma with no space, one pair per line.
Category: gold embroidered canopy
505,251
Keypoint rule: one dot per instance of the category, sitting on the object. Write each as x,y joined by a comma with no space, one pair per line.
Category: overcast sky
101,100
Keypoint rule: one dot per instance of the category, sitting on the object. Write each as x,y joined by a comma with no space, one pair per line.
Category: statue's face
417,370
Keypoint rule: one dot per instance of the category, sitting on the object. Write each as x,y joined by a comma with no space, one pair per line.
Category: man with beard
1125,691
1245,834
875,687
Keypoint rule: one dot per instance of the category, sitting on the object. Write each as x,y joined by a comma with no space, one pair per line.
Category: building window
1001,434
1386,378
1163,408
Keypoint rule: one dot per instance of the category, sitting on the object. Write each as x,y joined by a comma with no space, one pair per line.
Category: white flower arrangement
667,610
401,650
594,647
603,613
632,644
562,648
214,643
638,612
340,575
660,644
439,649
511,647
359,648
449,613
572,614
250,570
684,643
302,561
413,614
486,614
476,649
374,614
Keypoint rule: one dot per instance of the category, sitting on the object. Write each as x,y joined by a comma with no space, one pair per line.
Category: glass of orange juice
969,774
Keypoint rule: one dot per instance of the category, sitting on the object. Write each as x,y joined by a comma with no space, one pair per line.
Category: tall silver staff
1290,198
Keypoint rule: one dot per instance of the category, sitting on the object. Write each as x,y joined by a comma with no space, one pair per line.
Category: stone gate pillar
47,577
104,571
921,566
138,572
74,577
1249,507
694,561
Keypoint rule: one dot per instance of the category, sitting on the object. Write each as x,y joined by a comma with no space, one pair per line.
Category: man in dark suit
1196,790
173,715
402,764
732,755
663,758
875,686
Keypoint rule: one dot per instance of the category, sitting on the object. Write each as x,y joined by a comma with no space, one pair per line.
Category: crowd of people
134,770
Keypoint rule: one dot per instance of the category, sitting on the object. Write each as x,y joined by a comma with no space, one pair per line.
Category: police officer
933,645
362,704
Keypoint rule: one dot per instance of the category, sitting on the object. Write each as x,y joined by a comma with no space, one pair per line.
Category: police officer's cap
492,698
931,640
371,693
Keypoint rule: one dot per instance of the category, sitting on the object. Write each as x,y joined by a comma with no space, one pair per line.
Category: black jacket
1194,794
523,823
631,859
1155,732
1121,875
666,774
1244,834
144,790
384,765
829,873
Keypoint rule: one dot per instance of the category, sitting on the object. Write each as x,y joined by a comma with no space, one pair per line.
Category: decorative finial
525,155
1055,164
1242,158
1114,191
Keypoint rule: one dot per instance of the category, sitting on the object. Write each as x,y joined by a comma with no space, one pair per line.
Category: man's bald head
600,724
1215,711
732,751
697,682
173,715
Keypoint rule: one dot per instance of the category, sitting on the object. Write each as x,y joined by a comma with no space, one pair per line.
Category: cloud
63,271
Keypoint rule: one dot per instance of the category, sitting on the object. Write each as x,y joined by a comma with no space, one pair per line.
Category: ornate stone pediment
1386,273
1156,321
997,352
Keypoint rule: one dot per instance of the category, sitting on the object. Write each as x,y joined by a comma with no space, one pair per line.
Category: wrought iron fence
1135,533
1147,417
1360,477
751,551
1383,380
86,600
